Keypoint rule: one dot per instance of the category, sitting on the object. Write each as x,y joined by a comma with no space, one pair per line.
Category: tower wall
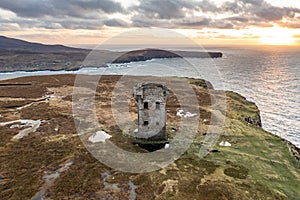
151,99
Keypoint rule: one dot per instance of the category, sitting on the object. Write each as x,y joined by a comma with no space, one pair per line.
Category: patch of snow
167,146
188,114
136,130
225,144
99,136
51,176
65,167
25,106
181,113
53,97
56,129
1,116
29,125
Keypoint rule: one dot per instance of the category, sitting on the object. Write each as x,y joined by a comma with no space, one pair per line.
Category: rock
256,121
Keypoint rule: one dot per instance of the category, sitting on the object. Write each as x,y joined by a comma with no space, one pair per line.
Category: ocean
268,76
271,78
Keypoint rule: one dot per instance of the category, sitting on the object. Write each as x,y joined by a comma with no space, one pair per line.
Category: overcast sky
92,21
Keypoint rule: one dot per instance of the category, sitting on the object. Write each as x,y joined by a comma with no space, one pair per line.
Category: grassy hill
52,161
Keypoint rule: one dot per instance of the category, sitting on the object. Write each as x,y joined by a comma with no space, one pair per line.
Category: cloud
260,9
27,8
116,23
56,8
206,6
170,13
144,21
272,13
67,14
95,14
9,27
181,13
196,22
237,19
163,9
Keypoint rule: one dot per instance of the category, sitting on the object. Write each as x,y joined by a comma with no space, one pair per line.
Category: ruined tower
151,100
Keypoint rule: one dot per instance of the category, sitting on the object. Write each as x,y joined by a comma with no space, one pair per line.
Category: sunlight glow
277,36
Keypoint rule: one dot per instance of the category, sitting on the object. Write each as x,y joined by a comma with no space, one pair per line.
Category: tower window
146,105
146,123
157,105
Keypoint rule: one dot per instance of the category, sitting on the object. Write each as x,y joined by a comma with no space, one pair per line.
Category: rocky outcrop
255,120
148,54
294,150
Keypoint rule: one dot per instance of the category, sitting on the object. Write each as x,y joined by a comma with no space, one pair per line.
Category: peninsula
43,157
19,55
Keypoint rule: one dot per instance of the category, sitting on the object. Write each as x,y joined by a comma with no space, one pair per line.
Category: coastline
290,144
55,143
72,61
76,70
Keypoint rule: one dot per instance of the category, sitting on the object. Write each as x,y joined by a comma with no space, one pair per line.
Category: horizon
207,22
104,46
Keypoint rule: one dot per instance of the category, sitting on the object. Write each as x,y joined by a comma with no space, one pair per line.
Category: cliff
148,54
50,160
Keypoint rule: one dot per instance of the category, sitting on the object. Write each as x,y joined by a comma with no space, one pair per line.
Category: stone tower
151,100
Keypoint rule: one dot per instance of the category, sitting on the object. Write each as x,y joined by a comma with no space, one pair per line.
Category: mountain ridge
21,55
13,44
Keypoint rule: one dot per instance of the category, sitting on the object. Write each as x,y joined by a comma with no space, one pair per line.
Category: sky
77,22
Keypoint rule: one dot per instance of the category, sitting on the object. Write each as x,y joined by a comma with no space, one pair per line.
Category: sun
277,36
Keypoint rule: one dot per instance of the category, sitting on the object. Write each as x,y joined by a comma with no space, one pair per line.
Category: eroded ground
50,161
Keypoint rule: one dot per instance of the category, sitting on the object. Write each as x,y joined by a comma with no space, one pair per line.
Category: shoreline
72,61
292,147
254,155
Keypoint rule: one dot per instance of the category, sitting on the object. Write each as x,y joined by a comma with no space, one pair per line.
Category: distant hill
12,44
20,55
